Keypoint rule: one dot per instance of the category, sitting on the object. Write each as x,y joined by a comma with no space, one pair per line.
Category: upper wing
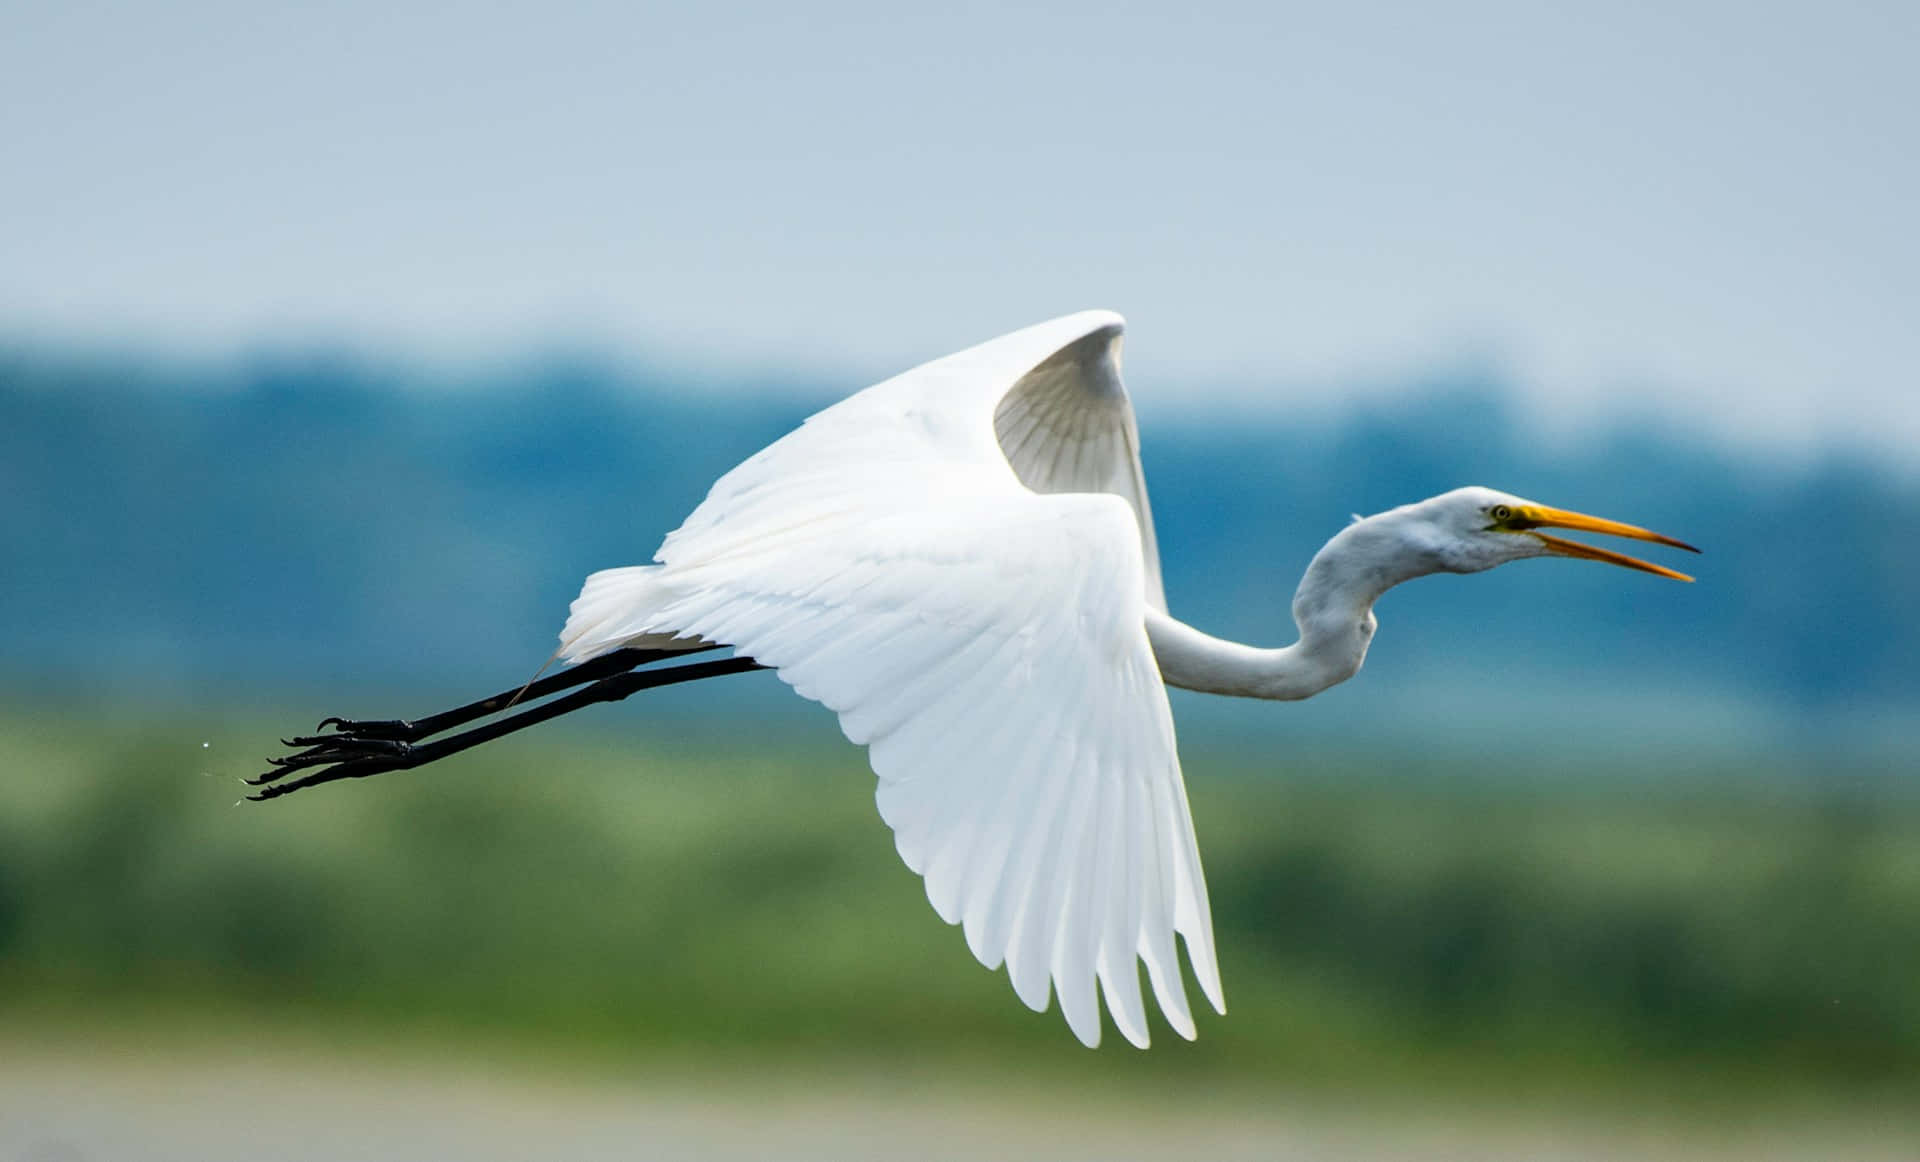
988,645
1066,425
1045,404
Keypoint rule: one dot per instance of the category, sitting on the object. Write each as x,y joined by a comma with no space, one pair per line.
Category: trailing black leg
415,729
348,755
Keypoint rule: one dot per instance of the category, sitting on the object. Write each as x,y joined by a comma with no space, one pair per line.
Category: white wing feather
984,640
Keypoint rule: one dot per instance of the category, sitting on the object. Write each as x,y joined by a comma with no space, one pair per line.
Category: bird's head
1474,529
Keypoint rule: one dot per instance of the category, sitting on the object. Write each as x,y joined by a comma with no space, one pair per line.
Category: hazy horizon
1700,211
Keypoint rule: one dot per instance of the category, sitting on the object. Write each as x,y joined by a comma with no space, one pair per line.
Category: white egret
960,563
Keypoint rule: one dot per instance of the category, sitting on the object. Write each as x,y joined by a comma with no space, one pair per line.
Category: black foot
400,728
333,769
328,750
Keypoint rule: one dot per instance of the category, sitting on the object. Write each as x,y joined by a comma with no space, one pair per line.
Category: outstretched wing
985,638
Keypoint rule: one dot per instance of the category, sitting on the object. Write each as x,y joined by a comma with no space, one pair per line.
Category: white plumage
959,562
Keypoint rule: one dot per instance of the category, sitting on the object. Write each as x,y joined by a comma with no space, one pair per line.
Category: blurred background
337,344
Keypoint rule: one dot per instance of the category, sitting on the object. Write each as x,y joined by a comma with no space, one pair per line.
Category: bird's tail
615,610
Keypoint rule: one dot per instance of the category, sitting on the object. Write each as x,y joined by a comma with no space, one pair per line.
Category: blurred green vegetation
627,896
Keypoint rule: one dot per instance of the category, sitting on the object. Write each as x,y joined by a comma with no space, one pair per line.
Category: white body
960,563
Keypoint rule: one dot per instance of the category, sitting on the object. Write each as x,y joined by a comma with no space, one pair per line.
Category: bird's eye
1501,512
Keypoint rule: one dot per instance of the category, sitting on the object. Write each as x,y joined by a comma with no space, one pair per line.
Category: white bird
960,563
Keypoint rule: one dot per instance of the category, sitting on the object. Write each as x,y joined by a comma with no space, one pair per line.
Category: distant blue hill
311,522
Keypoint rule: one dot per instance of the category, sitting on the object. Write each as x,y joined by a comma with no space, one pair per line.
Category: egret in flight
960,563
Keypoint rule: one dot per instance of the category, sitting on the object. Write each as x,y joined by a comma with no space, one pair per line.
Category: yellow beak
1540,516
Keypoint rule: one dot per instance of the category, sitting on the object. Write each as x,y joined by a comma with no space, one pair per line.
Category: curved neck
1333,609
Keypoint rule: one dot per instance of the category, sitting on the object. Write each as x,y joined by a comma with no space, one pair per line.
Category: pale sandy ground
99,1101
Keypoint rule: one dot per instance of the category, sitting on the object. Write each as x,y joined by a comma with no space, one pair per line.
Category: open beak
1538,516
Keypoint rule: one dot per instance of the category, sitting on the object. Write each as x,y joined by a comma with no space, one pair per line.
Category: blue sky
1702,209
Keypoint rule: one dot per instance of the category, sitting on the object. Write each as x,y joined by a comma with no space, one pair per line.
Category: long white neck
1333,609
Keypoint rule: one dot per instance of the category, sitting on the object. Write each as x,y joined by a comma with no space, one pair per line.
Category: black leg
415,729
355,756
